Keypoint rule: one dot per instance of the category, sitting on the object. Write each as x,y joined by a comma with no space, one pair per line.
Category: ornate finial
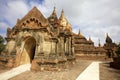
99,40
79,31
62,14
54,8
62,11
54,11
89,38
34,7
107,34
99,44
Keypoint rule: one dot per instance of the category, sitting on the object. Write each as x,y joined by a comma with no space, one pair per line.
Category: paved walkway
68,74
90,73
15,71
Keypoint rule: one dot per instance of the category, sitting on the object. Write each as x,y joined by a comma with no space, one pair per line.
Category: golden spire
79,33
53,16
62,14
54,11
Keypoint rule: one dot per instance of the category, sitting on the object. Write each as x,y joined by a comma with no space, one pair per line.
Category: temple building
110,47
49,43
46,43
84,47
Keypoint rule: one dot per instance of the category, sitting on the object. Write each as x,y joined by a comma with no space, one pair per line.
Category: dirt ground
108,73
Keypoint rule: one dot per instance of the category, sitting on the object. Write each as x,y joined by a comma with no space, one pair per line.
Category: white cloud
14,10
3,28
3,25
95,18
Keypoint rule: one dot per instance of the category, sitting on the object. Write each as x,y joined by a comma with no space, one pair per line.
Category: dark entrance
28,52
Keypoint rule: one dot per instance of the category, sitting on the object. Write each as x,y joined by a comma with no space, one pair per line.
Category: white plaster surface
15,71
90,73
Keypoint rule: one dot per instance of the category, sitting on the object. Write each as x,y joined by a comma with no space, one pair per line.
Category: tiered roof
34,14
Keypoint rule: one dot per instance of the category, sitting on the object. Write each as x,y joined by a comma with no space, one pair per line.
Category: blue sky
94,18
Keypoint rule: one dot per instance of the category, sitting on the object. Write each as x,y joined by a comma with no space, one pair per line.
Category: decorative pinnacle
62,11
54,7
99,44
79,33
107,34
62,15
89,38
54,11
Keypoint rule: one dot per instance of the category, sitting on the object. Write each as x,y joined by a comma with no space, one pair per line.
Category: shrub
2,46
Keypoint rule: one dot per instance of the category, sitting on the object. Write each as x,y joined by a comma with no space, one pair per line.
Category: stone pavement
91,72
69,74
81,70
15,71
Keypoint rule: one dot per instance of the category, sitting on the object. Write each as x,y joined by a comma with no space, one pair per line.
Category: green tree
118,50
2,46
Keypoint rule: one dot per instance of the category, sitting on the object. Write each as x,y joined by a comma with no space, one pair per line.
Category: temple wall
69,45
47,48
59,47
40,42
62,45
53,47
10,46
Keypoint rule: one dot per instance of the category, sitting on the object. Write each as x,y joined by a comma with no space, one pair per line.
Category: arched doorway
28,52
